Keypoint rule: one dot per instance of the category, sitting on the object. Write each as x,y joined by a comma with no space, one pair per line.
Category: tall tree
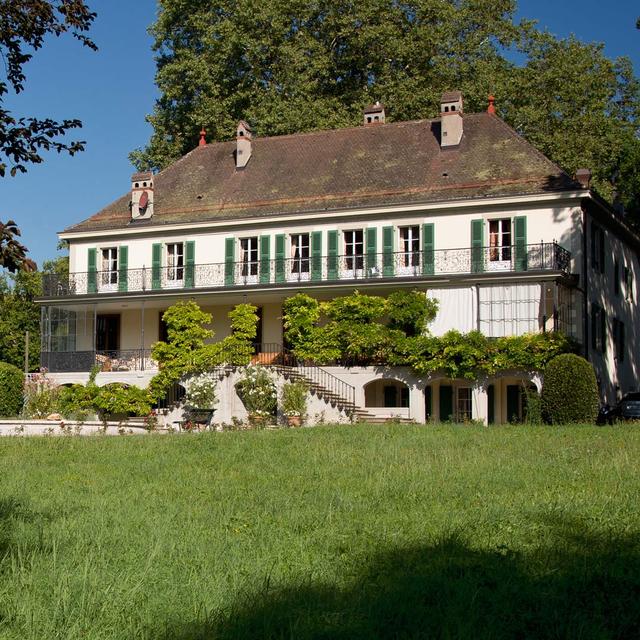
24,24
297,65
294,65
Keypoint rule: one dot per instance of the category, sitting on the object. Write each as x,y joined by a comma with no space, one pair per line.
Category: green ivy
188,349
361,329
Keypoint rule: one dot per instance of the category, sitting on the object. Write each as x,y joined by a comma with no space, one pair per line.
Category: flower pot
294,421
258,420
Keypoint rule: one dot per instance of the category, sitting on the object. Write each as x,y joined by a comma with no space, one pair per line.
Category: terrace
426,265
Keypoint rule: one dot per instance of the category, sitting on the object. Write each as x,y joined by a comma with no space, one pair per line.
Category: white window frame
409,243
175,264
500,245
353,260
108,268
249,258
299,256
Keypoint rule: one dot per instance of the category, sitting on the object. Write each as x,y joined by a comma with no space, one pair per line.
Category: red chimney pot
203,140
492,107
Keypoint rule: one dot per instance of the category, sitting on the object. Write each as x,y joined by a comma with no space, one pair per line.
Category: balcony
419,265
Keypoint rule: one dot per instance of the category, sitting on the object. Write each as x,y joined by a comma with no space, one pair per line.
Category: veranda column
417,403
479,402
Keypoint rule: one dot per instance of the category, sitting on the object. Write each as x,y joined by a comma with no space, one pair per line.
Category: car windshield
632,396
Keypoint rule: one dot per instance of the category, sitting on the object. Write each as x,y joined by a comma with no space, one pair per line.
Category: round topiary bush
11,388
569,391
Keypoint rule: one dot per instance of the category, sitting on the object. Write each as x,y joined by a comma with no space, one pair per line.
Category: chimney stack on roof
203,138
243,144
451,127
141,195
583,176
374,114
492,107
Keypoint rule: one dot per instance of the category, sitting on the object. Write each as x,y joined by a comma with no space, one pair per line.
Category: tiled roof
389,164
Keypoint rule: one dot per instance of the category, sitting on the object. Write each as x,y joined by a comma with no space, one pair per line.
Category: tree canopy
24,25
289,66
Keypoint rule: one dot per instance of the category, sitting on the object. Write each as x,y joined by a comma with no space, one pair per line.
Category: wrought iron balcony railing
547,256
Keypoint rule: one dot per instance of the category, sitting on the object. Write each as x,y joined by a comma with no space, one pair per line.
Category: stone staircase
316,387
332,396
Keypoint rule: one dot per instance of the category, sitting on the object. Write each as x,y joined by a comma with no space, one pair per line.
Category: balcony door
500,244
108,333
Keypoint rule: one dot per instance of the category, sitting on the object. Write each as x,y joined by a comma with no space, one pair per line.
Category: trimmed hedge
11,390
570,390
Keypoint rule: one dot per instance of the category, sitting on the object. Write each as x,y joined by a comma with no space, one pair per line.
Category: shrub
118,399
294,399
257,391
78,401
570,391
201,391
41,396
11,386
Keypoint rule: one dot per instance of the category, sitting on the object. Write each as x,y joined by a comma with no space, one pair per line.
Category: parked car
629,407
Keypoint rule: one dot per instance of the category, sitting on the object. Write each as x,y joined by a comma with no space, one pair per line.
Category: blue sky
112,90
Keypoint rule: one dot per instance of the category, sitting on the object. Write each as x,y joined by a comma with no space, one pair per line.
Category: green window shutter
156,266
602,253
621,339
372,248
92,276
123,266
520,233
316,255
332,252
280,257
229,260
594,257
477,253
387,251
265,259
603,331
595,311
446,402
491,404
190,264
427,249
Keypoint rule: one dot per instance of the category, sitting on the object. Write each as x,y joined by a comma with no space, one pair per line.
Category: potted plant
294,402
257,391
200,397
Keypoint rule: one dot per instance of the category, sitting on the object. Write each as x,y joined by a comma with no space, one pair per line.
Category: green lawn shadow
578,585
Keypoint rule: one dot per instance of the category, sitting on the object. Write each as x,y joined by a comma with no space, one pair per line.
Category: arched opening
387,394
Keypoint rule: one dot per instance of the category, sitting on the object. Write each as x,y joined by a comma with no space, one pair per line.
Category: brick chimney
243,144
374,114
141,195
451,127
583,176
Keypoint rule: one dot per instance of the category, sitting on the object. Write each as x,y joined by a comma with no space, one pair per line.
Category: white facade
504,265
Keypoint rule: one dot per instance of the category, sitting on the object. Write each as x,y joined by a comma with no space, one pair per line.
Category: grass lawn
333,532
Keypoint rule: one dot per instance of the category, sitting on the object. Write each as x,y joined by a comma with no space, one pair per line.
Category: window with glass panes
175,261
500,240
110,266
410,246
299,253
249,256
354,249
463,404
